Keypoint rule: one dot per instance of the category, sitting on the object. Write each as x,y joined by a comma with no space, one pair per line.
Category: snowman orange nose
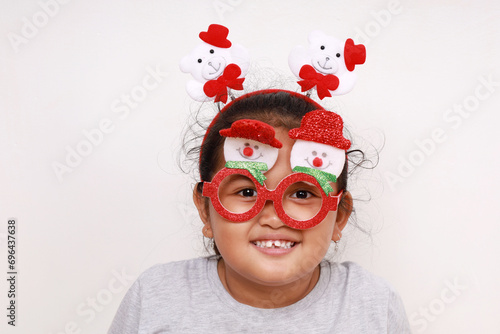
317,162
248,151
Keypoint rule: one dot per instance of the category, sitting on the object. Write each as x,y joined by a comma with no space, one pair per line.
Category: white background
126,205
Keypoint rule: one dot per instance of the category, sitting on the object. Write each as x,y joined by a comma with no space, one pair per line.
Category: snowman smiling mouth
317,165
249,157
323,67
216,69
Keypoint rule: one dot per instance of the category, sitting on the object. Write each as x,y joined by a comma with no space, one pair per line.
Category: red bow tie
228,79
324,83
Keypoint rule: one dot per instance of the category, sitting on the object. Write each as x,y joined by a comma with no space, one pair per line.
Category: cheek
321,234
225,232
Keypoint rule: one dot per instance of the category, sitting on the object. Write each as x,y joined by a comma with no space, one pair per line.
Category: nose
317,162
248,151
268,216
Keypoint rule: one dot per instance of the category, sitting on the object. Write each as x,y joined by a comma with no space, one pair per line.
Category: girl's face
265,251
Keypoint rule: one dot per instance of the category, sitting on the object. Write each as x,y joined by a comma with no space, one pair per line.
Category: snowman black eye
324,155
247,144
256,147
314,153
199,60
212,51
338,55
322,47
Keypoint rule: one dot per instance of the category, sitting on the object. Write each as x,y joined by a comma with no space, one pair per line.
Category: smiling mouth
283,244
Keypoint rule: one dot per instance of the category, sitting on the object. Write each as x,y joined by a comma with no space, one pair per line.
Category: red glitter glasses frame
211,190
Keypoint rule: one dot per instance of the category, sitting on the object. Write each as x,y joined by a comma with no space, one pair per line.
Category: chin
280,275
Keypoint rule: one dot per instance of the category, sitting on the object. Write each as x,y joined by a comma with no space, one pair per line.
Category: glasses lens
237,193
302,200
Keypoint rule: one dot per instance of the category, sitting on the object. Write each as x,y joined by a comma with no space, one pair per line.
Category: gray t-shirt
188,297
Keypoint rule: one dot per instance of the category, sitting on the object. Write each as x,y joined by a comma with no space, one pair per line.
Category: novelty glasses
299,200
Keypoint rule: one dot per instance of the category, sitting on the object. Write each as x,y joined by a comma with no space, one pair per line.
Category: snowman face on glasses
318,156
241,149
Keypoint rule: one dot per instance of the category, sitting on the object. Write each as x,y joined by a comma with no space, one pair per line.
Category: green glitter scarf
254,167
323,178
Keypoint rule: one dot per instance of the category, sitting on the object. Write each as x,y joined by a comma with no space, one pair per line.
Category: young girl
271,223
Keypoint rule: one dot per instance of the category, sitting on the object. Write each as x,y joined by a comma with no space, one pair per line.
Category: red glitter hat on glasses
321,126
252,129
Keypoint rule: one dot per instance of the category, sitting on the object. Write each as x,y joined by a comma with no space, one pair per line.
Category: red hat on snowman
321,126
216,36
254,130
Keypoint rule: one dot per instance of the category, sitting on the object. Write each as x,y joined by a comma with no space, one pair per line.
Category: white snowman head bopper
326,64
216,65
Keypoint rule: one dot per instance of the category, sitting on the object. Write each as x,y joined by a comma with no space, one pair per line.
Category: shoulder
175,282
163,288
380,303
175,267
352,274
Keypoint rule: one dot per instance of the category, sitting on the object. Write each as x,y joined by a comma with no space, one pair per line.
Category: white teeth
274,244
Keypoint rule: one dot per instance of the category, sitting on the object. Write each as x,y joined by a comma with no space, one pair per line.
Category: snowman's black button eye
247,144
324,155
199,60
256,147
338,55
322,47
314,153
212,51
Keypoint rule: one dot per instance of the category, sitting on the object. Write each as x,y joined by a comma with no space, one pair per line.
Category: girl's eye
301,194
248,193
212,51
199,60
322,47
338,55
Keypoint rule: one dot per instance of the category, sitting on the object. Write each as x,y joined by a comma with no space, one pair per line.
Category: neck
265,296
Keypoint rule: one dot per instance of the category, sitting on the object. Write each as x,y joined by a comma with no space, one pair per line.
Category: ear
343,213
201,204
